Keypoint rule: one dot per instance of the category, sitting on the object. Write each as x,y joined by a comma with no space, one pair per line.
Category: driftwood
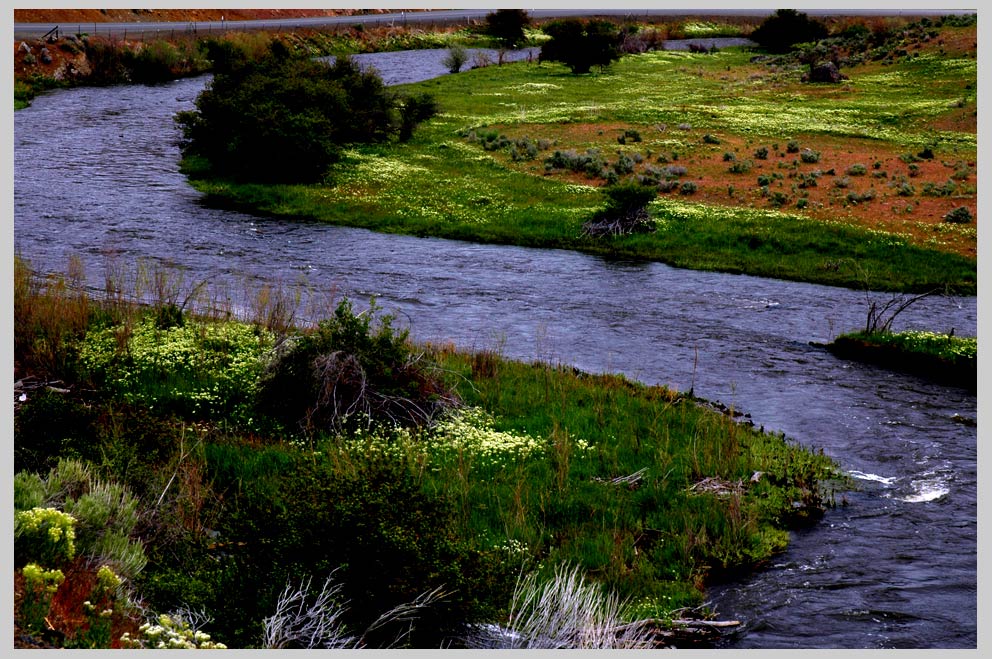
619,224
24,388
632,481
681,632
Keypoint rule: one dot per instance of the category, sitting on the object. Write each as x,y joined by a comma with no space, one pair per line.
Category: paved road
35,30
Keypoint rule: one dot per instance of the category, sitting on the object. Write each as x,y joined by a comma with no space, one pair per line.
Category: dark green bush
389,540
507,26
960,215
581,45
50,425
740,167
787,27
353,368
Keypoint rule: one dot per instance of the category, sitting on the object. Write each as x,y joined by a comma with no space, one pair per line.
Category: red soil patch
918,217
173,15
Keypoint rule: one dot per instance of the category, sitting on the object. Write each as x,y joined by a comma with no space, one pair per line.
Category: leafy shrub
624,165
765,179
786,27
688,188
415,110
859,198
580,45
284,118
385,537
729,156
945,190
507,26
154,61
740,167
352,368
761,153
44,535
778,199
625,210
590,163
842,182
792,147
809,156
710,139
456,58
960,215
40,586
629,134
857,169
99,518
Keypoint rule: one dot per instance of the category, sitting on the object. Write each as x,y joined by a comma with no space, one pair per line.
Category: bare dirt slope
174,15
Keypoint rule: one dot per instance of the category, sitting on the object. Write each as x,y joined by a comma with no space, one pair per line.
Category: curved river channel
96,176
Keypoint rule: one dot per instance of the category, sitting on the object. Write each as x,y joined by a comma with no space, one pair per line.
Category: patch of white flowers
170,634
472,431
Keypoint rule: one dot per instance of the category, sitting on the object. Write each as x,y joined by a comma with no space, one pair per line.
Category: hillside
125,15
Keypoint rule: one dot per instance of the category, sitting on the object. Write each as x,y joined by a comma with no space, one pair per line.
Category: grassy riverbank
523,468
772,176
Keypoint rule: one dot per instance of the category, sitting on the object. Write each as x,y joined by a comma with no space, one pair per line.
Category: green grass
941,357
441,184
647,491
949,348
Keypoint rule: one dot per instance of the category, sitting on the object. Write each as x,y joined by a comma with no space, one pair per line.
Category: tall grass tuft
566,612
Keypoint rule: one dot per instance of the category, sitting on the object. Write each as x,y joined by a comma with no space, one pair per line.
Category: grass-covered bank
941,357
757,172
254,456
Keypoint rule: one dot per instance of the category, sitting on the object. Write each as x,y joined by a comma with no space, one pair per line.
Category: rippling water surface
96,176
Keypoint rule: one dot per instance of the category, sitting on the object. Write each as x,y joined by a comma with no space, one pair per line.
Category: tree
786,27
581,45
507,26
283,118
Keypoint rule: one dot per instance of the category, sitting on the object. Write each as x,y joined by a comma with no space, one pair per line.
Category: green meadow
447,182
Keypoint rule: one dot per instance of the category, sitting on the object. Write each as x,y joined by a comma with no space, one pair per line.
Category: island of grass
940,357
757,171
253,459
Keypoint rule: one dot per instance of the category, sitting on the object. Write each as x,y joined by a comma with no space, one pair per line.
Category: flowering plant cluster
201,366
170,633
44,534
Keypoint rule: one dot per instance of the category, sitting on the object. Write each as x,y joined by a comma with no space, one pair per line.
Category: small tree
456,58
625,211
581,45
507,26
786,27
283,118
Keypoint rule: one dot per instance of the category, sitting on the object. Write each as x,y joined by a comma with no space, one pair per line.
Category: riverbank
788,180
532,466
939,357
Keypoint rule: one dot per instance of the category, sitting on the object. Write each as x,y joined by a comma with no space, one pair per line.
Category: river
96,176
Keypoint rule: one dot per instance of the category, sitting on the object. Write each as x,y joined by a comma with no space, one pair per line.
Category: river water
96,176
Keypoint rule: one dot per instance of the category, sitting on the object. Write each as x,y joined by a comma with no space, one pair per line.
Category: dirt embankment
174,15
